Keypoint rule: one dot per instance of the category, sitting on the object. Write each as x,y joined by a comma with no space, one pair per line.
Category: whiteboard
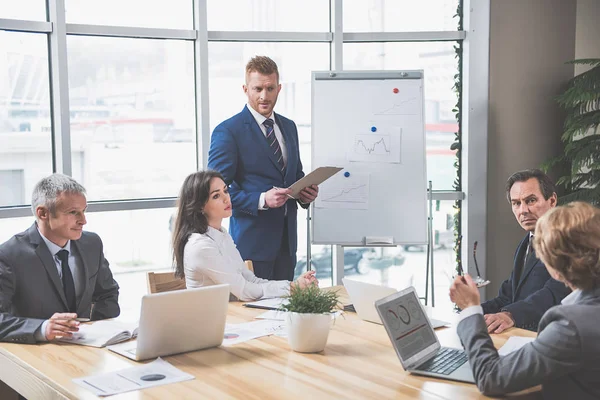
371,123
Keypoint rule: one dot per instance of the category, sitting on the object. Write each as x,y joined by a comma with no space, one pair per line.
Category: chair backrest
164,282
249,265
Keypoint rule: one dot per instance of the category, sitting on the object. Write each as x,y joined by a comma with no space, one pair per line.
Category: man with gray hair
54,272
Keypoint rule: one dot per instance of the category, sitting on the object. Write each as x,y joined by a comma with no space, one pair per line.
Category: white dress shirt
212,258
259,118
40,333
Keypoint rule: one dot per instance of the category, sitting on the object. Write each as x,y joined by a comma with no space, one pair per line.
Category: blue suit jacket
239,150
530,297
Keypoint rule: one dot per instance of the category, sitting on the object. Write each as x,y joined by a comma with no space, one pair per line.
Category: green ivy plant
457,144
581,138
311,300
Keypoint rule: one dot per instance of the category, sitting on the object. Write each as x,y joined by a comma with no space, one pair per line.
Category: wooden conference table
358,363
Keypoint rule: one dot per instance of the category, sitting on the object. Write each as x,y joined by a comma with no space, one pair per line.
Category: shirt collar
215,234
54,248
258,116
571,298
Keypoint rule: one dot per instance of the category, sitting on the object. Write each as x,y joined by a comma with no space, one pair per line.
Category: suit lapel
84,271
46,258
288,143
260,139
518,265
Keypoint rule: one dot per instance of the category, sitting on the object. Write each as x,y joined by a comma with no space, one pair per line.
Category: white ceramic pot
307,333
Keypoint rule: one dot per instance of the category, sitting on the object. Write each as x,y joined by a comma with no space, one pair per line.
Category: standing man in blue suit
258,154
530,291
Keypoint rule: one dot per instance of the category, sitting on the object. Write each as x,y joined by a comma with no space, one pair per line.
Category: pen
289,195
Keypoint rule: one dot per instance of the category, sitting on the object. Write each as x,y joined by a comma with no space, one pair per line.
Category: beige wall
530,40
587,32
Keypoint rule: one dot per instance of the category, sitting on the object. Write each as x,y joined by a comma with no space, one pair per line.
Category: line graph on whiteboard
344,192
406,106
382,146
372,144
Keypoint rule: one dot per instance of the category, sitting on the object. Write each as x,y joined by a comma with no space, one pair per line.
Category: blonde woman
564,357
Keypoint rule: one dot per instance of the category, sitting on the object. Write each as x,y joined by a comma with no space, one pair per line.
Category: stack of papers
102,333
514,343
156,373
239,333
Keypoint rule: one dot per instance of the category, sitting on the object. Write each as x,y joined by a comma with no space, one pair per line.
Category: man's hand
308,194
464,292
499,322
276,197
61,325
306,279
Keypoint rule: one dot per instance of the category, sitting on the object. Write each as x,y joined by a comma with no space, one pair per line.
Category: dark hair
567,239
190,218
547,187
263,65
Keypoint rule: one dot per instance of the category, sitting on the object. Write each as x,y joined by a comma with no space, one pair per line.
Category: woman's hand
306,279
464,292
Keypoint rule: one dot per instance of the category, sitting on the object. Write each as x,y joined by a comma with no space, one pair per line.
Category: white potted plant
308,317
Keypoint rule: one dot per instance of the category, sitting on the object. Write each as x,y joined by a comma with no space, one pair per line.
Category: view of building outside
133,114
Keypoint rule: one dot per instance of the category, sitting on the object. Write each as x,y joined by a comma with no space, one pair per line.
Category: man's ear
42,213
553,200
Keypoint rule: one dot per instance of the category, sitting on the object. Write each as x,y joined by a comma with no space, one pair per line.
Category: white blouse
212,258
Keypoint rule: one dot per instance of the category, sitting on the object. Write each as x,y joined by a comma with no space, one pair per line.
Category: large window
136,90
132,115
25,125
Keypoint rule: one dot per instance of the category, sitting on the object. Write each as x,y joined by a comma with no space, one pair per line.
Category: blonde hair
263,65
567,239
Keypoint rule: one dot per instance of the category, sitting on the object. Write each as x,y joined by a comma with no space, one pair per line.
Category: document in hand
102,333
316,177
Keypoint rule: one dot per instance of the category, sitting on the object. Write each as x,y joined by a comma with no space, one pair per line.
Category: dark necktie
273,142
529,254
67,280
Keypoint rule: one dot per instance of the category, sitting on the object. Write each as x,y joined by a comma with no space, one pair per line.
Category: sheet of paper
347,192
239,333
130,379
382,146
316,177
514,343
280,315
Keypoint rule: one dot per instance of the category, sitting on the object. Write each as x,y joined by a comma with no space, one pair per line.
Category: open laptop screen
408,325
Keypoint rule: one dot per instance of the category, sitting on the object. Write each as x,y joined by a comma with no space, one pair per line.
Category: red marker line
411,331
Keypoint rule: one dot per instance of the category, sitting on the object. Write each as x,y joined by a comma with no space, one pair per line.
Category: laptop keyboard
445,361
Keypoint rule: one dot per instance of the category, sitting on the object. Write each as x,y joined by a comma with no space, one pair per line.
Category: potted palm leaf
308,317
581,137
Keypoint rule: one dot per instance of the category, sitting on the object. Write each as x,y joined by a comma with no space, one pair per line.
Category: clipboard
316,177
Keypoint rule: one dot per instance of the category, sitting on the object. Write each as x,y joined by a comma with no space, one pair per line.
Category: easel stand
429,272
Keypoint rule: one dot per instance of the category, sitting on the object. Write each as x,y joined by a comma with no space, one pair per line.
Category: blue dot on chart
346,174
373,129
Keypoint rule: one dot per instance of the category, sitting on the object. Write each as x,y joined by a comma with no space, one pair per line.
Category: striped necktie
273,142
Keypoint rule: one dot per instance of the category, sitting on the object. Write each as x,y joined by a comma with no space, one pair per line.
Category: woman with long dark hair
203,251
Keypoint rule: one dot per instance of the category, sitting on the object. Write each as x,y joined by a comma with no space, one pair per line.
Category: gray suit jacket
563,358
31,289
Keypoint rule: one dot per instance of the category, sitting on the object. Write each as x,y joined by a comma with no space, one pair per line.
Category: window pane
438,62
268,15
11,226
34,10
400,15
295,62
135,242
25,126
132,115
175,14
403,266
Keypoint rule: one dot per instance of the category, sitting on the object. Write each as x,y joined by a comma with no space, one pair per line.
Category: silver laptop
177,322
364,295
415,341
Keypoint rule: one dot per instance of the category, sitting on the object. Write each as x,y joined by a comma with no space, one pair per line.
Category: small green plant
311,300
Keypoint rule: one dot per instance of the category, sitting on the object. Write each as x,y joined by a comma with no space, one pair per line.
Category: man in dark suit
530,291
258,154
54,272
